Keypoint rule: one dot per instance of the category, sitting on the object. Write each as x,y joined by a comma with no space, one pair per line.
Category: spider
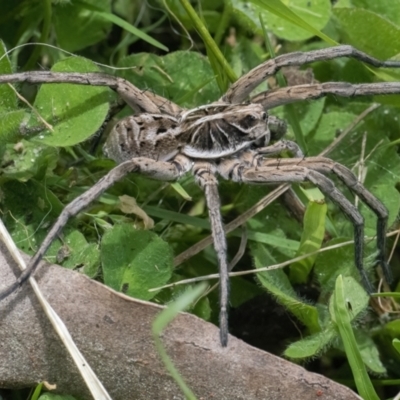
229,138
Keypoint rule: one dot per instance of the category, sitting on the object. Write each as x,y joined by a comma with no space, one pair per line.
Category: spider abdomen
146,135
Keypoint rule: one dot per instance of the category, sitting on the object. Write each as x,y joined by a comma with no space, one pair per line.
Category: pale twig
45,123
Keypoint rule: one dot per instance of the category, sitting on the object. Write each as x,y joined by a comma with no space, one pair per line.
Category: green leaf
310,114
328,126
183,77
135,261
369,352
388,9
311,240
75,111
313,345
382,41
343,298
304,22
277,283
81,254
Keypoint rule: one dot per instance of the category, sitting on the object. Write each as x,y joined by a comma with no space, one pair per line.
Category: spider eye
264,116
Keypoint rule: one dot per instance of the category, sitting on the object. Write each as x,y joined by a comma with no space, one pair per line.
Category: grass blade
163,319
342,319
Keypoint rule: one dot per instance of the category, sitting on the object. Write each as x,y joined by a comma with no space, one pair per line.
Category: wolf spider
229,138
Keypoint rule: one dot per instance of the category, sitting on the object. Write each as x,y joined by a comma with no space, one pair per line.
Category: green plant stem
208,40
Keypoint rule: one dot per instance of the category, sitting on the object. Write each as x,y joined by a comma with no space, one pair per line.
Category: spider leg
164,171
205,177
283,173
326,166
241,89
282,145
138,100
273,98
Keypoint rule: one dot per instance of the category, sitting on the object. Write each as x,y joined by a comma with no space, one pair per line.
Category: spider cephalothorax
228,138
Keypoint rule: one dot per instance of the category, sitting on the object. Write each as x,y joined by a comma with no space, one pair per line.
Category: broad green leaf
135,261
383,41
326,130
277,283
386,8
343,300
312,345
369,352
296,20
310,115
184,77
80,254
311,240
75,111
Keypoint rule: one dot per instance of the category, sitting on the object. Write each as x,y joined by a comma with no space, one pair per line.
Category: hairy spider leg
165,171
204,173
242,88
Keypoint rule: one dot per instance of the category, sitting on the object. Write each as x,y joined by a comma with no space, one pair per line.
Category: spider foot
223,328
366,282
